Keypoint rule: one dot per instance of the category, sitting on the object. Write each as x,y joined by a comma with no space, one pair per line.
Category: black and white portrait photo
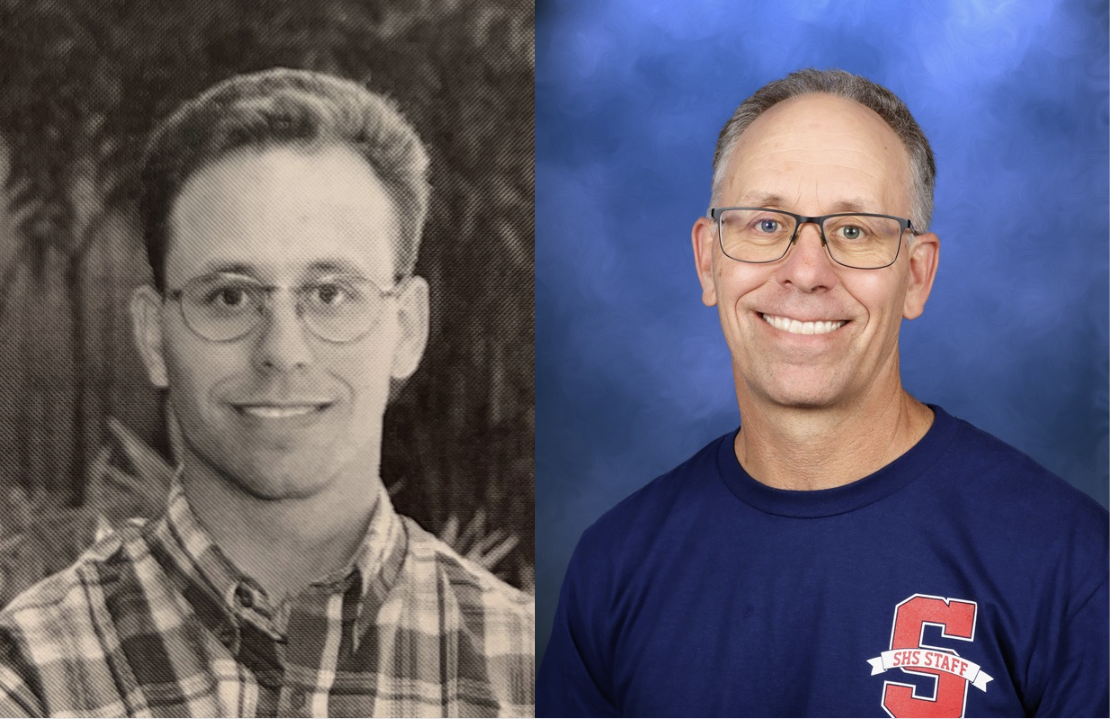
266,358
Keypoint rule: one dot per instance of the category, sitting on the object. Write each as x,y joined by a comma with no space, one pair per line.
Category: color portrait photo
634,376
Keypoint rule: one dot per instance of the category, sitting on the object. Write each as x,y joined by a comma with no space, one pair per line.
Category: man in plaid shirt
281,213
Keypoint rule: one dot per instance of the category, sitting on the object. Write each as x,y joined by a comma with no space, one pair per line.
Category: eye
228,296
769,225
329,294
851,232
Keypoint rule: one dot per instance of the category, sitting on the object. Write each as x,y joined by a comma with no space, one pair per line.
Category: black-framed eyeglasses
223,307
860,240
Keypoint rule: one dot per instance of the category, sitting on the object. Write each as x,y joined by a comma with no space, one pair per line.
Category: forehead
281,212
820,152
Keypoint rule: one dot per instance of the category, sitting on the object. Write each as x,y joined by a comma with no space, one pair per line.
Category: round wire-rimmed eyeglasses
224,307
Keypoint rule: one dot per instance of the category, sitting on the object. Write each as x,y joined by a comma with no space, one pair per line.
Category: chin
801,397
801,401
279,468
283,488
277,476
279,485
802,392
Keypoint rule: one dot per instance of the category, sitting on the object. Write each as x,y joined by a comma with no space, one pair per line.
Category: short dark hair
281,107
851,87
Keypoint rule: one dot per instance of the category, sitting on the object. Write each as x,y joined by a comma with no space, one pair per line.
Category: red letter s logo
957,619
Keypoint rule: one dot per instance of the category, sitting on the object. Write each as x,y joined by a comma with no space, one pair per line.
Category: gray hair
851,87
284,107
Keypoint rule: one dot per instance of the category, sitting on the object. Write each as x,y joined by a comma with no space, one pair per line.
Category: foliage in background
83,84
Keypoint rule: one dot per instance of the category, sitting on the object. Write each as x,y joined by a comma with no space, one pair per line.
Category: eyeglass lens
861,241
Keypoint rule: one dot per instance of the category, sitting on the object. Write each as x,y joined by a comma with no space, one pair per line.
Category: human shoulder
488,627
431,559
657,506
52,635
1007,481
1044,545
67,591
1023,519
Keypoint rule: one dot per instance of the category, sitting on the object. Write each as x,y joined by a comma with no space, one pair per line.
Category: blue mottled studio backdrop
632,373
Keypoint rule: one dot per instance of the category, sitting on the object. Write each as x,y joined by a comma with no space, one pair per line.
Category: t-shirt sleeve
575,676
1070,658
1078,678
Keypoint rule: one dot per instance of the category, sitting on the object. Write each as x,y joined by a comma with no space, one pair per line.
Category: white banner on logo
929,659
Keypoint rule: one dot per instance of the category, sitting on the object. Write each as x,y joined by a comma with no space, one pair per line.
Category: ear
704,240
923,267
412,316
146,318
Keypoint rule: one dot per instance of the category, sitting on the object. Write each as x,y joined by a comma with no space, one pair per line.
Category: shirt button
243,596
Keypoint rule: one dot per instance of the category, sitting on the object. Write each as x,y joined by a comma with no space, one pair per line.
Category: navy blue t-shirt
963,579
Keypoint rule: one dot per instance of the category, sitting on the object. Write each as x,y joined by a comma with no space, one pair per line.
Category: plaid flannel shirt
155,621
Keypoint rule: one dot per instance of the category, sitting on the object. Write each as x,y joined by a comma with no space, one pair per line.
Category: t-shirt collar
838,500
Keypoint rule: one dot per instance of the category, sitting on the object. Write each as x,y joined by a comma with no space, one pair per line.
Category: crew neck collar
846,498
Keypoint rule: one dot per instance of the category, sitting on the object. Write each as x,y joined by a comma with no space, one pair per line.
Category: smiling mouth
796,327
281,411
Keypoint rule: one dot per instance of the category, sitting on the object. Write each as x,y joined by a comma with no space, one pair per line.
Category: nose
282,344
808,266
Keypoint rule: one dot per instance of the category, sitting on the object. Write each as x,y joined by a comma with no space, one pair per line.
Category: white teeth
272,412
801,328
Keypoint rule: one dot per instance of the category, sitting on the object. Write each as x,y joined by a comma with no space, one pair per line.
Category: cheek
733,281
193,365
195,374
362,370
882,296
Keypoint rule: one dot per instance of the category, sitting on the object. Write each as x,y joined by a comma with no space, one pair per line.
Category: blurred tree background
84,81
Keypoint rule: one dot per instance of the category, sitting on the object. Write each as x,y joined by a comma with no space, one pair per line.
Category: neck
820,448
283,544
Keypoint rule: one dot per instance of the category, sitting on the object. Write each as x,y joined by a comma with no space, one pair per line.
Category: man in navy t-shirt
849,551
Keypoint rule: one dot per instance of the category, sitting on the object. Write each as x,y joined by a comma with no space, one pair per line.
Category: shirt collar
203,572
